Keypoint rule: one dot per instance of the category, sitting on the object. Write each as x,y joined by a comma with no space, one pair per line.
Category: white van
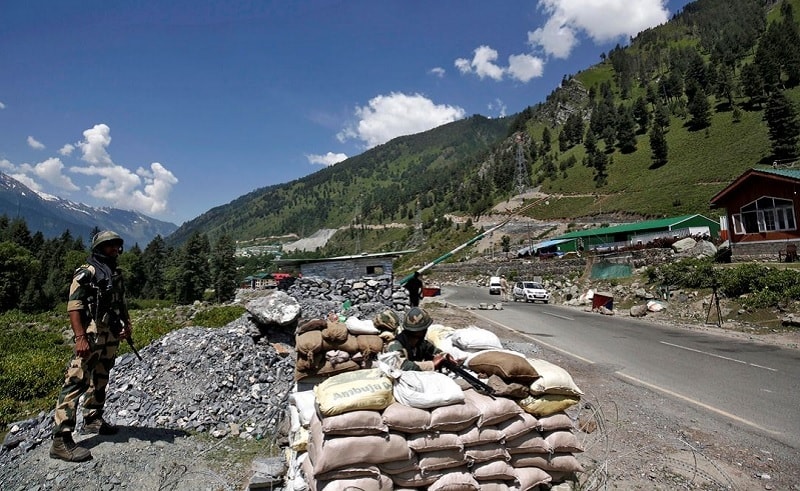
494,285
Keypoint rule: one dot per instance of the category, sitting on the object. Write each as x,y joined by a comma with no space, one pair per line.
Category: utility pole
522,180
419,237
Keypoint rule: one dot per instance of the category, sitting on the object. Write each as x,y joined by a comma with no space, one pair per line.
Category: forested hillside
656,128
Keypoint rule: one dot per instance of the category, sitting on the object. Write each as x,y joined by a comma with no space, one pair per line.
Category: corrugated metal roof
660,223
542,245
790,173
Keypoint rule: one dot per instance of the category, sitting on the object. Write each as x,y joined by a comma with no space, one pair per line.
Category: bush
218,316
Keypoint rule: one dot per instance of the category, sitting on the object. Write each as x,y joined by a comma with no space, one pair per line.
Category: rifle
475,382
118,322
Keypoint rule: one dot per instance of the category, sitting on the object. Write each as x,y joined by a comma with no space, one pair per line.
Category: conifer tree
658,147
784,126
223,267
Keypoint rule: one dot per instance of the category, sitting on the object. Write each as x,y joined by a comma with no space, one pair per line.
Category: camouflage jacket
100,305
417,358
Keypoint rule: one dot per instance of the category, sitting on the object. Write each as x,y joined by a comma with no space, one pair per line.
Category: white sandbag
552,379
446,345
426,390
358,326
303,400
474,338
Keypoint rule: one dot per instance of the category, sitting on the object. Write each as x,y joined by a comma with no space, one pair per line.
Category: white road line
718,356
559,316
700,404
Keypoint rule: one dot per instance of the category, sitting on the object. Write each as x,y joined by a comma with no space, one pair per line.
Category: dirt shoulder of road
637,438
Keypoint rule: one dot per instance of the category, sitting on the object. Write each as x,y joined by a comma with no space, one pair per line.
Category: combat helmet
387,320
417,320
105,236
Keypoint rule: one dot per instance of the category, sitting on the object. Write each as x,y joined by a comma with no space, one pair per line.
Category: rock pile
379,289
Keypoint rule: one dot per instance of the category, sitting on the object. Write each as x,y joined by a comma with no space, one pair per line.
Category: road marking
559,316
718,356
636,380
698,403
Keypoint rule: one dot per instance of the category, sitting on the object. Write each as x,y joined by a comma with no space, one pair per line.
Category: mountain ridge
52,216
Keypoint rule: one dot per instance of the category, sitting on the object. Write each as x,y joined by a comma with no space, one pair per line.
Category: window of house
374,269
764,215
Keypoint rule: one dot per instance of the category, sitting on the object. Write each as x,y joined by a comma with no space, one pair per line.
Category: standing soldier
415,289
504,297
99,318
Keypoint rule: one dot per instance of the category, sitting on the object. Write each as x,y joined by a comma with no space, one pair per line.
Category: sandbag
552,379
416,478
405,419
335,332
557,421
311,325
517,426
493,410
475,436
563,441
455,481
351,391
369,344
454,417
485,453
308,344
559,462
474,338
547,404
493,470
531,477
354,423
304,401
532,442
348,344
441,459
329,369
512,390
433,441
358,326
426,390
344,451
509,365
378,483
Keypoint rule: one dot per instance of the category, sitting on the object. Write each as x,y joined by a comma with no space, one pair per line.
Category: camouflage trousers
86,377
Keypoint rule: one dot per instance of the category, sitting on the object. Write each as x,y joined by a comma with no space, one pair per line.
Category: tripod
714,303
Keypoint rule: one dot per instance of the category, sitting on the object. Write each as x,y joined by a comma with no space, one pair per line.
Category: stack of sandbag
334,345
376,429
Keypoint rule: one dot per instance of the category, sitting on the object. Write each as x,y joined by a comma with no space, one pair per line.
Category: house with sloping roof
639,233
761,210
347,267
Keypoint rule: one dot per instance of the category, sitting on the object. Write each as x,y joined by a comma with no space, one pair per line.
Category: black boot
98,425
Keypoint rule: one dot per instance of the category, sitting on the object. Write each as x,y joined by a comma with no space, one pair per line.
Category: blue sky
174,107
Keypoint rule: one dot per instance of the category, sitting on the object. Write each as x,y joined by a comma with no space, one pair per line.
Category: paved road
750,384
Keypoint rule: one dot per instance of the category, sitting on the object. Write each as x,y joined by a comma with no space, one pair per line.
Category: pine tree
700,109
223,267
658,147
784,126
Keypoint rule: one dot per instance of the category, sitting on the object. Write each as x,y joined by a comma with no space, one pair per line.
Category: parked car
494,285
530,291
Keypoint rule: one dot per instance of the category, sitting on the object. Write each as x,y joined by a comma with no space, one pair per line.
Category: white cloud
600,20
50,171
327,160
146,190
498,106
35,144
2,106
437,71
525,67
97,139
397,114
482,64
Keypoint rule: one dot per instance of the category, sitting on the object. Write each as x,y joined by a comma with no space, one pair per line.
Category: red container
431,291
603,299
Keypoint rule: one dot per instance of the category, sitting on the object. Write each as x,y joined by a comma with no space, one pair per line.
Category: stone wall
372,289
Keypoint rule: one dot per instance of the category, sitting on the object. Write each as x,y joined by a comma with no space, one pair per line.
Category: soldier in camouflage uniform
416,352
99,318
